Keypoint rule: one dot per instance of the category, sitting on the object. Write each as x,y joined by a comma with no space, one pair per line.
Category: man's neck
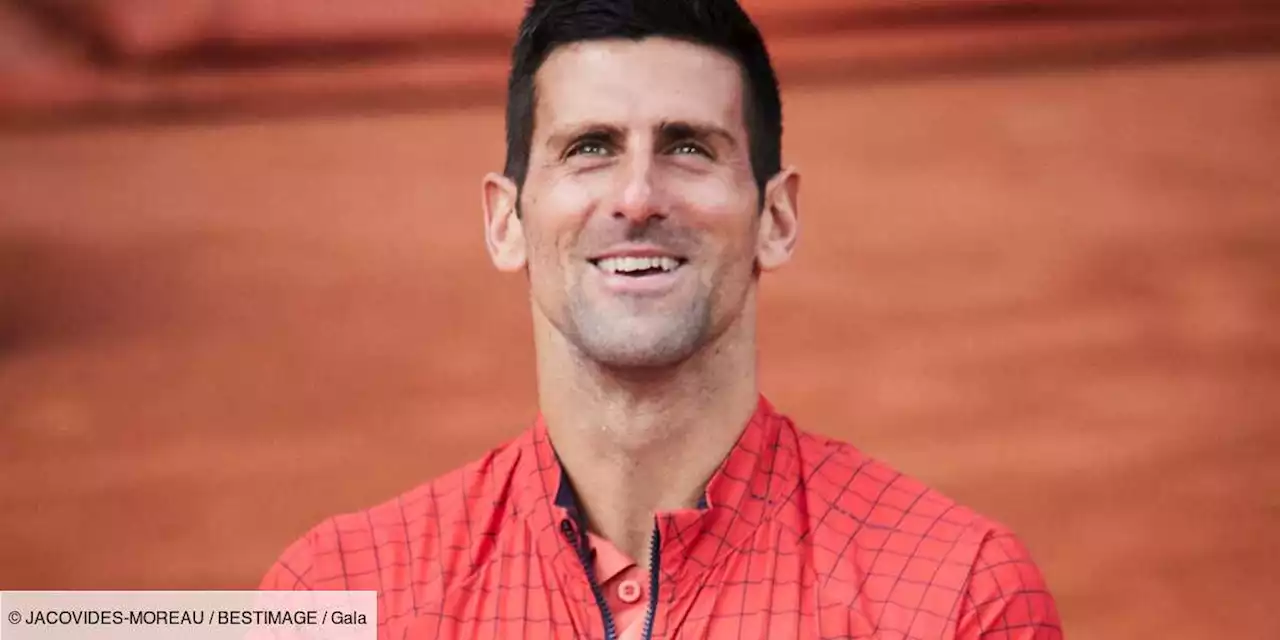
636,443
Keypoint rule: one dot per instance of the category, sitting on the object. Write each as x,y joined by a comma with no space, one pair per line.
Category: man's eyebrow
565,135
679,129
667,130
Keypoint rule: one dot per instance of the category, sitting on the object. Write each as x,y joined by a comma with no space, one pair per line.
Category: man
658,494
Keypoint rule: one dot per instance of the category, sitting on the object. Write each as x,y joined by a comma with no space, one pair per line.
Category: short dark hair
719,24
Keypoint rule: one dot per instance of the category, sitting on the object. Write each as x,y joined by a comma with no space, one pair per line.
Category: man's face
639,212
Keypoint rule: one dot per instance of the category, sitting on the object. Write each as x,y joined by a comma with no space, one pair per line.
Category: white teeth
628,264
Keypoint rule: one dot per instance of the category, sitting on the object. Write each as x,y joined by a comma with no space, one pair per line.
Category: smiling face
640,222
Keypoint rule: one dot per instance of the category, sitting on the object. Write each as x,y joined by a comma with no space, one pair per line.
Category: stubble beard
644,340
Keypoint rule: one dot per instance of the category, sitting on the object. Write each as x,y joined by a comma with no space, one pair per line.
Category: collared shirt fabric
797,536
625,585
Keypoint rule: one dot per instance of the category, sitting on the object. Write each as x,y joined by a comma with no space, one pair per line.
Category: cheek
553,219
568,197
712,193
727,216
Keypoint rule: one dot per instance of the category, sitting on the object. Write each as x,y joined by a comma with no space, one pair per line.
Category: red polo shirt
798,536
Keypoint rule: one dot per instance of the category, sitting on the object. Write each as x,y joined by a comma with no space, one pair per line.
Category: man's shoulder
883,536
855,497
841,474
353,549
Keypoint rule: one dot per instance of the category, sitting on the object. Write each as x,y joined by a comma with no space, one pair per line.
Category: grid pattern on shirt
802,538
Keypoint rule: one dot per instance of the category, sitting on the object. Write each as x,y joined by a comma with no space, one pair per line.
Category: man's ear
779,221
503,229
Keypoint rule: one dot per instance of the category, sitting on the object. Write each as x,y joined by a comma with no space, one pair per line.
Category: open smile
638,266
636,271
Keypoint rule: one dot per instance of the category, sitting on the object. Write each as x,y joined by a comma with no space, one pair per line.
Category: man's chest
749,595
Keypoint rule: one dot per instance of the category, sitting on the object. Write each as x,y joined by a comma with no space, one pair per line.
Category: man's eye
687,148
589,148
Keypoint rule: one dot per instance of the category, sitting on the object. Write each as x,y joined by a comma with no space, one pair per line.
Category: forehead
638,83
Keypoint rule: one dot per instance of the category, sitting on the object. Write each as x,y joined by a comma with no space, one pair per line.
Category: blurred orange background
243,284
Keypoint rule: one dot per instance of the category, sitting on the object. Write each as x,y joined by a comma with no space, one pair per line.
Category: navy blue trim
567,499
565,496
579,543
576,532
655,563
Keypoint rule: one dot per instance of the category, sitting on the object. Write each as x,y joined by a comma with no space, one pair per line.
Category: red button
629,591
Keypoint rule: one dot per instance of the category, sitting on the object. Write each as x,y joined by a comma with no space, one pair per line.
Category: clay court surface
1052,294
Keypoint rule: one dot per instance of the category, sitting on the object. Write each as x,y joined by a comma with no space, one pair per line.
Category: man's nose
638,191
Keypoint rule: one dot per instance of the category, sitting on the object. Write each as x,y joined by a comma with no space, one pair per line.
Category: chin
647,361
641,347
625,339
639,355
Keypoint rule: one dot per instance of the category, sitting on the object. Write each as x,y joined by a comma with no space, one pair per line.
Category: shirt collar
755,479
